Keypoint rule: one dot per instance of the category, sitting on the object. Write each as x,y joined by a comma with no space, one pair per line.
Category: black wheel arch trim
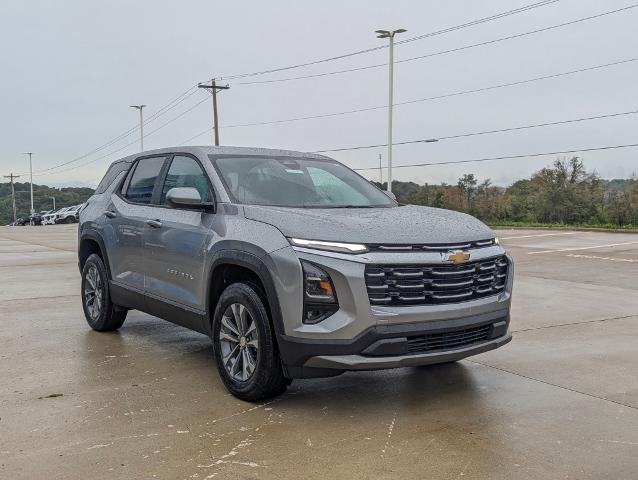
256,265
96,237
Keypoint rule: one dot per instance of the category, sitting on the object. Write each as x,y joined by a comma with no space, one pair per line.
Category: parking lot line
596,257
583,248
540,235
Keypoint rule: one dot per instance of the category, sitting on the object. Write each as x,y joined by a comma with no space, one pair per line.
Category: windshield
296,182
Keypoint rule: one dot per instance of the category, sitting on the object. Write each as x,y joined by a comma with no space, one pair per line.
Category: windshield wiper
354,206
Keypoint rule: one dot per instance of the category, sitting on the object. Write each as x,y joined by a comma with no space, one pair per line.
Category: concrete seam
554,385
574,323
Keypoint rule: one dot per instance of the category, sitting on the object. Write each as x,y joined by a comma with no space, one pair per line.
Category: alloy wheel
93,292
239,342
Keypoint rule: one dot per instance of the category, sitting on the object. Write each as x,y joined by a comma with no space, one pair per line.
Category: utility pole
390,35
13,195
31,179
213,87
140,108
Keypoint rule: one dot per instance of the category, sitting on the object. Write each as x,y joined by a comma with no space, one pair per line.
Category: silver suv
293,264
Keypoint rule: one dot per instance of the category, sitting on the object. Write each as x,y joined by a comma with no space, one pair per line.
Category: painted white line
596,257
583,248
540,235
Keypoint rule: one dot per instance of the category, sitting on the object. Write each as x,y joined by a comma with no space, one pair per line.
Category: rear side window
111,174
186,172
142,182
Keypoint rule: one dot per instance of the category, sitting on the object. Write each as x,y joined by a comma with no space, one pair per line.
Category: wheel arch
228,260
90,243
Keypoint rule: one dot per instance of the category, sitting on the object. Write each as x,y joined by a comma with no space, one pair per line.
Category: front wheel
245,347
100,312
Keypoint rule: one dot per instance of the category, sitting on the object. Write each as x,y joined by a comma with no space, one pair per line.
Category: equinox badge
457,256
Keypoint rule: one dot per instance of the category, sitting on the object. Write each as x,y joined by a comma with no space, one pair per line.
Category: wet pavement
559,401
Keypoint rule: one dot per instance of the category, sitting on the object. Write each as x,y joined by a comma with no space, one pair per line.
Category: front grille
448,340
435,284
431,247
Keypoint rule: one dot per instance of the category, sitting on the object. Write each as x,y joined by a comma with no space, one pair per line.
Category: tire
243,337
95,293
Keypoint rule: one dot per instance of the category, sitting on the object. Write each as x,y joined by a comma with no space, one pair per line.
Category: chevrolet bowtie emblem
457,256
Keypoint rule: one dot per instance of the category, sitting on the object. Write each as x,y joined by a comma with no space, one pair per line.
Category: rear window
142,181
111,174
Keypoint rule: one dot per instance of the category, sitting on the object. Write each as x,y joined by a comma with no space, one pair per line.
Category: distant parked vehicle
59,214
49,218
21,222
68,215
36,218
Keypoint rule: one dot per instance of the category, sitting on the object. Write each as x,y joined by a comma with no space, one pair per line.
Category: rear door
126,221
175,244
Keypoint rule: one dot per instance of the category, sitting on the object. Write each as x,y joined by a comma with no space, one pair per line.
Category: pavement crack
390,430
574,323
573,390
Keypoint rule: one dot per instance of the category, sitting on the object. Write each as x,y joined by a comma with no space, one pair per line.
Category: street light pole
389,34
140,108
31,179
53,198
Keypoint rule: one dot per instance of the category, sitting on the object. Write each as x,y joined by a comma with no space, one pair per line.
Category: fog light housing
320,297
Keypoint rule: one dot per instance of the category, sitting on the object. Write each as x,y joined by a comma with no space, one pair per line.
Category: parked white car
49,218
68,215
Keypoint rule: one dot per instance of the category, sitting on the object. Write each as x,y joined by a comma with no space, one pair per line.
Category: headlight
320,298
496,241
330,246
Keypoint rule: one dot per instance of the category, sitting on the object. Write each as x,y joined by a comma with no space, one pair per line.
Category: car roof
203,150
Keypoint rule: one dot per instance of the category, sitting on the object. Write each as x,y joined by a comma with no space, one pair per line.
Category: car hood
409,224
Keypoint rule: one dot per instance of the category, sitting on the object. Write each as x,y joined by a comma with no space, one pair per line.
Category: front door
176,240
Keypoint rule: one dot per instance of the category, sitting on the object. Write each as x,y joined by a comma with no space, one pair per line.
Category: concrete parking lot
559,401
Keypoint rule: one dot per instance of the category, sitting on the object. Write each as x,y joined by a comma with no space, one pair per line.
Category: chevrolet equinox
293,264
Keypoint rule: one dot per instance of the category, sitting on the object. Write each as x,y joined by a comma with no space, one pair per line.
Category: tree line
564,193
42,199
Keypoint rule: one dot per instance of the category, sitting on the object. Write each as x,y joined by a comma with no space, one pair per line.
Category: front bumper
364,336
387,346
360,362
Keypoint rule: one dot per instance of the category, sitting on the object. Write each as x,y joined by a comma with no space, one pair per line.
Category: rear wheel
244,343
100,312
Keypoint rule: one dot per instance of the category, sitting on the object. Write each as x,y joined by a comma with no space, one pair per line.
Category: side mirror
186,197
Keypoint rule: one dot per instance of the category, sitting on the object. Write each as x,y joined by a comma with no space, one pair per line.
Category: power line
372,49
163,110
128,144
510,84
437,97
508,157
441,52
524,8
484,132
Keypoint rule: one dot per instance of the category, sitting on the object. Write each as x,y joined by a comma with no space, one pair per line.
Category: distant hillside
64,197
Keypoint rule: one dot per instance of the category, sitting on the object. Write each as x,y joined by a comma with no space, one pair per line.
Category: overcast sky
71,69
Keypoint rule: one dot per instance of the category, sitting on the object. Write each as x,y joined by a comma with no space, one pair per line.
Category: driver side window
186,172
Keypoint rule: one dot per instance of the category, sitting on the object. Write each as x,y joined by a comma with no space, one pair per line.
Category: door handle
154,223
110,214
